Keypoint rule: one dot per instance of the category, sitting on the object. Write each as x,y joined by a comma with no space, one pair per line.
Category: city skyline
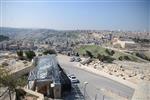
72,15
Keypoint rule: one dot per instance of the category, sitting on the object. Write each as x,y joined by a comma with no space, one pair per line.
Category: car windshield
73,77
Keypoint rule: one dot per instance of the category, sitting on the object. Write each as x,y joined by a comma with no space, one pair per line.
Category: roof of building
46,69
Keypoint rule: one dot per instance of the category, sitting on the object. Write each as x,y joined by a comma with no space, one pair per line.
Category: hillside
2,38
95,50
36,34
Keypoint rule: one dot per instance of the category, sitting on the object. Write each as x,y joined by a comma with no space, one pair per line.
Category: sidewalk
142,92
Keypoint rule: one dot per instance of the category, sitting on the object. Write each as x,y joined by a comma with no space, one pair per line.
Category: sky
133,15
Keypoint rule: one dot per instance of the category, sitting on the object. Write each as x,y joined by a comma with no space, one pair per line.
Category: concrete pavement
95,82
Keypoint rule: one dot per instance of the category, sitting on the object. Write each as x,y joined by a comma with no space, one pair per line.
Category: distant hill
35,34
2,38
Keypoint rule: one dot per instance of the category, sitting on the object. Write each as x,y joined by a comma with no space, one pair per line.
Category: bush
77,54
107,51
104,58
30,55
110,52
20,55
120,58
89,54
50,51
141,55
108,59
124,58
100,57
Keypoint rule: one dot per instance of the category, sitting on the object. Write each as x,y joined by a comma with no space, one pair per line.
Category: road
95,82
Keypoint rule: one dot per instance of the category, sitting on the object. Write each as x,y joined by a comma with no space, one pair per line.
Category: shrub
20,55
110,52
30,55
124,58
141,55
120,58
104,58
108,59
100,57
89,54
50,51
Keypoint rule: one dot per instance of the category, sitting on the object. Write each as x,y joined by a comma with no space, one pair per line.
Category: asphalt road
95,82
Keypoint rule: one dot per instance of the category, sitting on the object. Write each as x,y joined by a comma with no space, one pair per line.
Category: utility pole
85,84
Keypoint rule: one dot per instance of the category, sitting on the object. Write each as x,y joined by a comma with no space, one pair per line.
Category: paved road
95,82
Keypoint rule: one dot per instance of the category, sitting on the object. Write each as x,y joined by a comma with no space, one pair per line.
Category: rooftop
46,69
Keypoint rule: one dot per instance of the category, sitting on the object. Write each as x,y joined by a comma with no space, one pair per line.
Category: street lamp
103,90
96,93
85,84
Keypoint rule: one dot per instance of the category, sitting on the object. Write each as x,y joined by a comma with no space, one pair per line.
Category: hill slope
95,50
2,38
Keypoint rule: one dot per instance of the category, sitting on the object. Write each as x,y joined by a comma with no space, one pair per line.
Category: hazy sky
81,14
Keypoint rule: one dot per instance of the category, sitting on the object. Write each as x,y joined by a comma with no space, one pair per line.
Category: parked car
72,59
73,79
77,59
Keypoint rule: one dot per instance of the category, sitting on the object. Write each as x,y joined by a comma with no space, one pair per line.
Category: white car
73,79
72,59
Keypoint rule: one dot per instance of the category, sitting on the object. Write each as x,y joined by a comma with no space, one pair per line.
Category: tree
30,55
120,58
20,54
110,52
124,58
104,58
2,38
7,80
77,54
107,51
100,57
50,51
89,54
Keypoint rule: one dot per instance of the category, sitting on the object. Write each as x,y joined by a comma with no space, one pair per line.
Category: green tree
89,54
120,58
104,58
77,54
110,52
2,38
100,57
30,55
107,51
50,51
124,58
20,55
7,80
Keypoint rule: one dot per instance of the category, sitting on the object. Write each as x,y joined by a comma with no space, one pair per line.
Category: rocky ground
130,71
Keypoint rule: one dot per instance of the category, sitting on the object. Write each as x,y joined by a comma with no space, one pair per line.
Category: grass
142,54
95,50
